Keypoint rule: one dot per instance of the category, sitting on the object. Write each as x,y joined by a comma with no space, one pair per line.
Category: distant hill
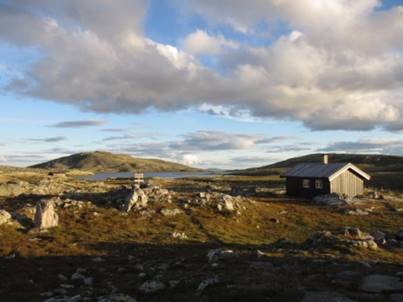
108,162
368,162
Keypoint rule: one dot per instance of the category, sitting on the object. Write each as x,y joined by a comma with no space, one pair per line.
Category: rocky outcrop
388,240
222,203
5,217
137,199
50,186
14,188
45,214
349,237
158,194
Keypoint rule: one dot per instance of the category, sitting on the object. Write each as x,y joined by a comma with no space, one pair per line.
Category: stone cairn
137,198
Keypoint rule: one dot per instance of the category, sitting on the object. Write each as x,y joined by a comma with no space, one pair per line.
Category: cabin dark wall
294,187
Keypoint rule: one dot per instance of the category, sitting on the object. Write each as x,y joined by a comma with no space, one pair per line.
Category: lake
171,175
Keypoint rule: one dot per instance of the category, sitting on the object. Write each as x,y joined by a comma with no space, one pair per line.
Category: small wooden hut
312,179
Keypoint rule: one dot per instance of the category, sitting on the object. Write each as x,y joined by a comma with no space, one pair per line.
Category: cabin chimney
325,159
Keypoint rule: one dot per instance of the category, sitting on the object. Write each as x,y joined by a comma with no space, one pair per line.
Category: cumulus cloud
95,56
78,124
200,42
190,159
54,139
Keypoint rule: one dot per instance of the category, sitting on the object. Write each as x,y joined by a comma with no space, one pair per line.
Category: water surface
170,175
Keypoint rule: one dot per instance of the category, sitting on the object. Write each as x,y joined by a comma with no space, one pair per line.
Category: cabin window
306,183
318,184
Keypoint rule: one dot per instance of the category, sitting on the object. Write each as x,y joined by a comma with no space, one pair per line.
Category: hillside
369,162
108,162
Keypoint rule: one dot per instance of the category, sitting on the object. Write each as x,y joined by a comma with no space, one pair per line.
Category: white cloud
319,74
190,159
200,42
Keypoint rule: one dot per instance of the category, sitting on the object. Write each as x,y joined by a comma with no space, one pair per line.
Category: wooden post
138,180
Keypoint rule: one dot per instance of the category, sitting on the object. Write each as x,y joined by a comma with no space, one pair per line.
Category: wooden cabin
312,179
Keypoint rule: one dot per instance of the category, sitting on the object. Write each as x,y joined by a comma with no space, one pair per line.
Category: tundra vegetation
226,238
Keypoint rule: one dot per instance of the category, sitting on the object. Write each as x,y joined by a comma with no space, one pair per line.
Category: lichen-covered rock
45,215
137,199
179,235
170,213
5,217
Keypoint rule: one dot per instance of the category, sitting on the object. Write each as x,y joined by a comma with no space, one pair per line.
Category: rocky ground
222,239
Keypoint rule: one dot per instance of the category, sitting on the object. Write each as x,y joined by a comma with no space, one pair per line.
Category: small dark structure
311,179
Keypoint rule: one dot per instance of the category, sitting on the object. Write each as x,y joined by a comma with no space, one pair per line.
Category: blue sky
219,84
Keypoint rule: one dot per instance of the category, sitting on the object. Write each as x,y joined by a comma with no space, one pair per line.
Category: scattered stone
170,213
5,217
152,286
208,282
116,298
173,283
179,235
330,199
76,298
325,297
381,284
77,277
274,220
357,212
45,215
356,234
219,254
379,237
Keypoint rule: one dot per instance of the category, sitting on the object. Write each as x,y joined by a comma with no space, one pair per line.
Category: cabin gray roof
318,170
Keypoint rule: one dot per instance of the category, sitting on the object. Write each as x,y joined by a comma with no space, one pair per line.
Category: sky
208,83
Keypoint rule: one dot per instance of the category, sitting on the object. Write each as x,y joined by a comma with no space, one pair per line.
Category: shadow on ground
241,277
